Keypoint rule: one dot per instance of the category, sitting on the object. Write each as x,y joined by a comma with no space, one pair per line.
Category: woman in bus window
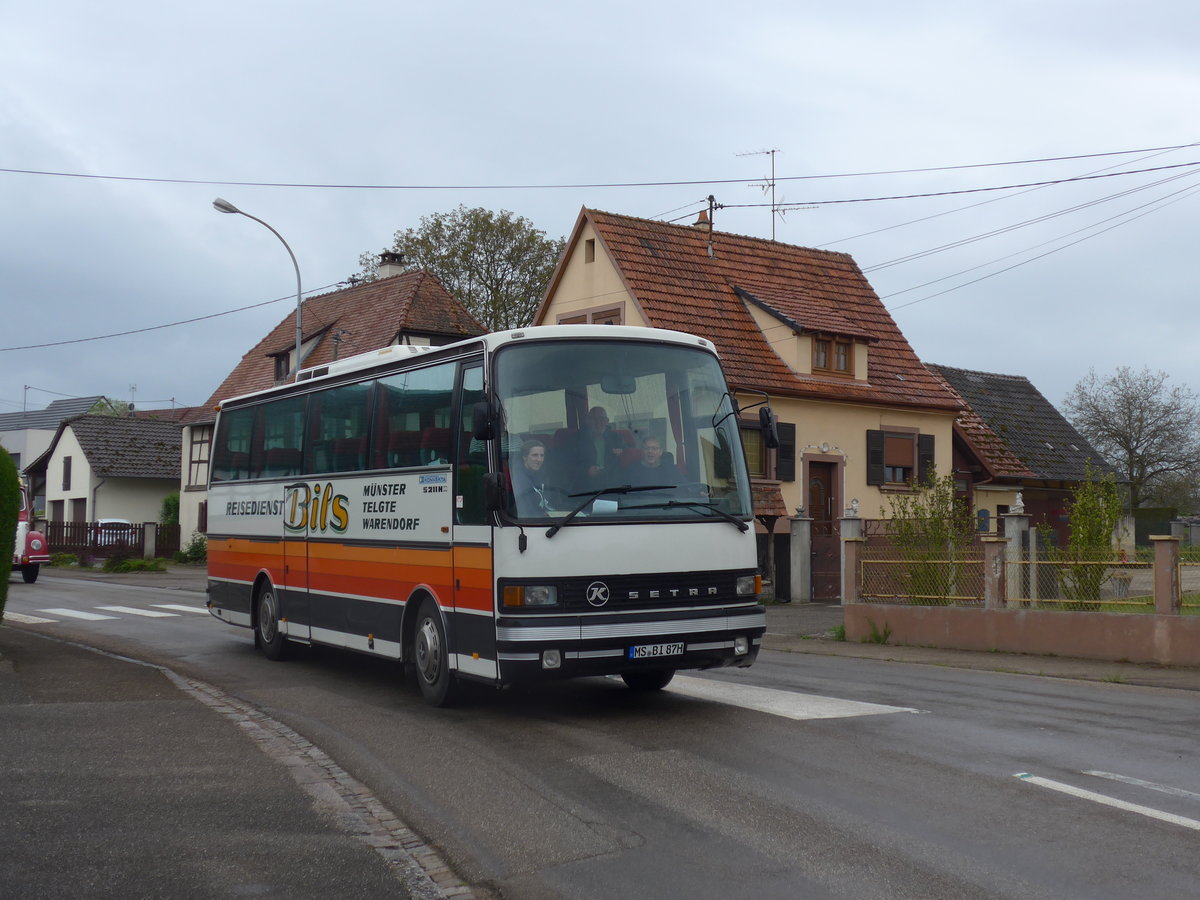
529,480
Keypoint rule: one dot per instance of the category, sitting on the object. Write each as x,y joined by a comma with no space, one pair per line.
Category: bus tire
431,657
267,633
30,572
648,679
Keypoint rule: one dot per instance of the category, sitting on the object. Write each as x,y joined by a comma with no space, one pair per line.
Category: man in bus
656,467
595,452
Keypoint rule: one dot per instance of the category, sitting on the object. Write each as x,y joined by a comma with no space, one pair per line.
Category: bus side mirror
481,421
770,426
495,497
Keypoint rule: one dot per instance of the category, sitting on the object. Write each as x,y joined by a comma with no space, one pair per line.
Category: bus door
294,601
475,634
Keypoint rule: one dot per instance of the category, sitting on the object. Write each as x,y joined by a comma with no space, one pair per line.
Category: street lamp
226,207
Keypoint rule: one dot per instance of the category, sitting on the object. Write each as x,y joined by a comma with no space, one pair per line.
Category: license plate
653,651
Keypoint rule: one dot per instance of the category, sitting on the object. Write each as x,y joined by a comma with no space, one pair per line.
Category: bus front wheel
269,635
431,656
648,679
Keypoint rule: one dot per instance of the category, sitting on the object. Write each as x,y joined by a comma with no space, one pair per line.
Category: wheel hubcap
429,651
268,622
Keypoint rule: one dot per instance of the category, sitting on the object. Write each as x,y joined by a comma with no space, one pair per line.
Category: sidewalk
119,783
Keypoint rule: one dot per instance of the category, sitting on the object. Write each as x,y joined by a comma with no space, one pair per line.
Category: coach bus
548,502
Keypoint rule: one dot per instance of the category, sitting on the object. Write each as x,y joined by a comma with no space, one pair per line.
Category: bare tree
1148,430
496,264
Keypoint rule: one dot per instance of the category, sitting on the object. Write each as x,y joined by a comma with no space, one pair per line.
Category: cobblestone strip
419,867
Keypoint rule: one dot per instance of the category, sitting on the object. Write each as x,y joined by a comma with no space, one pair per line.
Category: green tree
169,513
106,407
1084,563
496,264
10,504
1146,428
931,530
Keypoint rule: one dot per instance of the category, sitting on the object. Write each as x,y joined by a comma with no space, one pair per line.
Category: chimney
390,264
702,221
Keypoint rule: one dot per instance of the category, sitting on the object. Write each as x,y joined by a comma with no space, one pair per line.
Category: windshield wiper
592,495
697,504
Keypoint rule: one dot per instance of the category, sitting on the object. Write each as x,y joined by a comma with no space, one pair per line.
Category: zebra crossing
55,615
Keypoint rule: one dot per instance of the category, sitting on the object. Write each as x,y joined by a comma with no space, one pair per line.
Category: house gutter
95,491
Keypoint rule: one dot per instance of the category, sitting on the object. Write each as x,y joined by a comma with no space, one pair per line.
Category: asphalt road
806,776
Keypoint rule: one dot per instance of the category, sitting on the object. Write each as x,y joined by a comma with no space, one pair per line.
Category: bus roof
490,342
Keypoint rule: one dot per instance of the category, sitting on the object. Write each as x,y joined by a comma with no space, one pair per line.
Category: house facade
860,416
119,467
399,307
1012,446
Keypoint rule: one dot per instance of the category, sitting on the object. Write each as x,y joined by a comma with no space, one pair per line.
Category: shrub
62,559
169,514
196,551
931,529
1083,568
117,565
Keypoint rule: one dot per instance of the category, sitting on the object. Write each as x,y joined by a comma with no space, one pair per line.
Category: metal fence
1084,585
105,539
890,575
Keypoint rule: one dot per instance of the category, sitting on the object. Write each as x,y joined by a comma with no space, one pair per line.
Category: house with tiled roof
1009,438
398,307
27,434
119,467
860,416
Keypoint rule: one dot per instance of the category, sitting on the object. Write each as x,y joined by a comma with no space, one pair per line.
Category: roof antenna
712,206
768,185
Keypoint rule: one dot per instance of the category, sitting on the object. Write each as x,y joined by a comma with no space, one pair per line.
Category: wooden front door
826,541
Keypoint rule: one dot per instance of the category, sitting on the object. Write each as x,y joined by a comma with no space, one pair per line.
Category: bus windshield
618,431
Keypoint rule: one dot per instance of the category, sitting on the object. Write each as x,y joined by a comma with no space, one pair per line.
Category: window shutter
785,456
924,457
874,457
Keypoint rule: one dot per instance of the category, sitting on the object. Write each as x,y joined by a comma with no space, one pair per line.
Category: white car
113,531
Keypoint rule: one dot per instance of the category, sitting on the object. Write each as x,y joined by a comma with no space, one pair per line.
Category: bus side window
231,452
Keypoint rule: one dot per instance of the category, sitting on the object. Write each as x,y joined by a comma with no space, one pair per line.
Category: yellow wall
590,286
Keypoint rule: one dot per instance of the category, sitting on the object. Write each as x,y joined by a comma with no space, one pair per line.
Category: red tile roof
677,284
367,316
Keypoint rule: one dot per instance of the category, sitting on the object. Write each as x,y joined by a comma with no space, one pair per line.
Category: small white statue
1018,507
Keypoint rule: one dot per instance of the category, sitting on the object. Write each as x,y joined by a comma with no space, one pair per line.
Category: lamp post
226,207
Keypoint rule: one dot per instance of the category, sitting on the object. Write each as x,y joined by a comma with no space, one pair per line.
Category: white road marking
788,704
134,611
1082,794
1137,782
28,620
76,614
180,607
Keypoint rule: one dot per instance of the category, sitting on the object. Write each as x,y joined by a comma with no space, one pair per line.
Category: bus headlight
749,585
530,595
741,645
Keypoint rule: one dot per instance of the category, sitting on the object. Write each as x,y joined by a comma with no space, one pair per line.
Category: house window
589,250
778,464
198,454
281,367
898,457
831,356
66,482
601,315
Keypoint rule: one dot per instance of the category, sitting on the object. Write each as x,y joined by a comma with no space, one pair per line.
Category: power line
101,337
576,186
1002,187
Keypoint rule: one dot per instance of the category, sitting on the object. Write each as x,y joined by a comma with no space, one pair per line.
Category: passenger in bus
529,481
595,452
654,468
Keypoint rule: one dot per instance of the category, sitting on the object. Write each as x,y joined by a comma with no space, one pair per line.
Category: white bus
549,502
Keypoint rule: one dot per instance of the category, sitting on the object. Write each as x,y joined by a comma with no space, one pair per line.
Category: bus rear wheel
648,679
30,572
432,658
267,633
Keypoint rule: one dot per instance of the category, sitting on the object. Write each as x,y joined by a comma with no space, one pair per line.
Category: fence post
150,540
1166,574
800,549
851,552
995,594
1016,525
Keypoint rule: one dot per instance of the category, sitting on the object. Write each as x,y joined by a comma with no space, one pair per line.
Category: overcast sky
466,95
